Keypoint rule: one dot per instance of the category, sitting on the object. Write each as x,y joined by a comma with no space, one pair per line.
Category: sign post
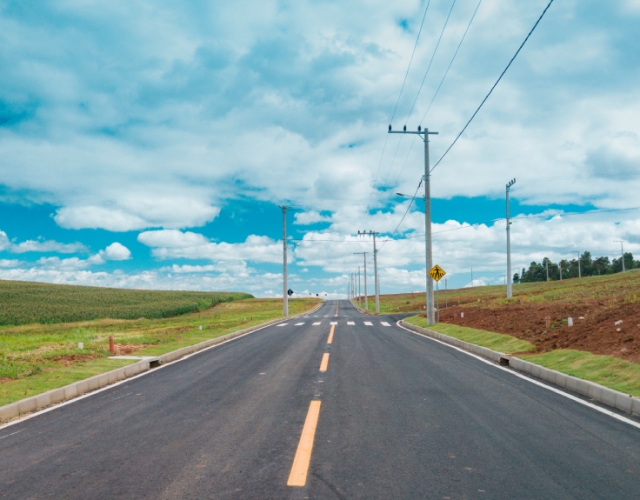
437,273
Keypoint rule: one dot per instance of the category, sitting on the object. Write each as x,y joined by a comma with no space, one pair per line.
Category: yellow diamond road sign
437,272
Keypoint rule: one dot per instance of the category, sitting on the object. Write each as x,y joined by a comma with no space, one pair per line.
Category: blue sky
149,144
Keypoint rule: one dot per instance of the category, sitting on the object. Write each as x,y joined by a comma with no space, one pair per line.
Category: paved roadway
401,416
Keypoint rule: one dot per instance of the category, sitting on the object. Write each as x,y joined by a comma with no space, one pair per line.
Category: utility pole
359,289
366,299
285,288
579,270
375,267
509,278
560,266
547,261
621,253
424,135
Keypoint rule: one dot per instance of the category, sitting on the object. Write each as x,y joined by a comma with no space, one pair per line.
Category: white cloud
174,244
115,251
40,246
9,263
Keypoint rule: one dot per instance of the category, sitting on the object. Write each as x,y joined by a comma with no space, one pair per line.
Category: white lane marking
368,323
384,323
126,380
326,315
316,316
120,397
524,377
12,434
317,323
334,322
299,324
283,324
351,323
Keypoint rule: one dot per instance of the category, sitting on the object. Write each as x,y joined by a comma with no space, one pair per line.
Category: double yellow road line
302,459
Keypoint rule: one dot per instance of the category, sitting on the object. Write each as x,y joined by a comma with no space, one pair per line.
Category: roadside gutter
596,392
38,402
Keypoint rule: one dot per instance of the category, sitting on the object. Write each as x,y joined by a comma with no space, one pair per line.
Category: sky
149,144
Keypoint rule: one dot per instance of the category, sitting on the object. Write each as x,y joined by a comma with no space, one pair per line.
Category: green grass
608,371
36,358
26,302
496,341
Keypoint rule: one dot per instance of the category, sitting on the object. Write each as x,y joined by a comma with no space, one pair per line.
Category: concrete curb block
597,392
55,396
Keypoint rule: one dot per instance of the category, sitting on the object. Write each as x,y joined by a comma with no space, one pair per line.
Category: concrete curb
55,396
597,392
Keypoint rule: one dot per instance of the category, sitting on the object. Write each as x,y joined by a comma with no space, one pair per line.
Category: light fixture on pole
509,276
424,135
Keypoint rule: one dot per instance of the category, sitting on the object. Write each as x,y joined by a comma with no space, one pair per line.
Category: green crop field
25,302
38,357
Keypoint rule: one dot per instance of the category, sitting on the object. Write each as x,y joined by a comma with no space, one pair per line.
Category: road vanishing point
334,405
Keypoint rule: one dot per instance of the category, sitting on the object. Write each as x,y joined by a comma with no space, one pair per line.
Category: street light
424,135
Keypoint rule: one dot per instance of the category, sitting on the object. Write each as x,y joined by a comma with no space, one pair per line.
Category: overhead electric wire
451,62
431,61
494,85
395,109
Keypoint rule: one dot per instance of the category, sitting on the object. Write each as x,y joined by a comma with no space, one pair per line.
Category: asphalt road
400,416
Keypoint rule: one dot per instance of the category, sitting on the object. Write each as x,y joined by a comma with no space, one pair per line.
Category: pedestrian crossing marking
368,323
317,323
351,323
437,272
334,323
283,324
299,324
384,323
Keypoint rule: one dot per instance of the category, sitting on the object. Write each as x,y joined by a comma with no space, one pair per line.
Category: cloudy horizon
148,145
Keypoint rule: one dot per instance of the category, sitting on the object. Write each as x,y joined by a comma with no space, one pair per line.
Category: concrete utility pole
621,253
560,266
375,266
579,270
547,269
285,287
509,277
366,299
359,289
424,135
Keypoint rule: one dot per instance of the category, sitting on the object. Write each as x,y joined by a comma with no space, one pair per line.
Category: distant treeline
585,266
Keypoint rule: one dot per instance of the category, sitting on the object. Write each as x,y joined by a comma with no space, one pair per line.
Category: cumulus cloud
40,245
174,244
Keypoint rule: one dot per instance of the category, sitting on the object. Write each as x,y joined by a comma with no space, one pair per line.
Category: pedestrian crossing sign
437,272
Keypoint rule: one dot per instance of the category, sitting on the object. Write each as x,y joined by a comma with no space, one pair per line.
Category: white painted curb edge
597,392
55,396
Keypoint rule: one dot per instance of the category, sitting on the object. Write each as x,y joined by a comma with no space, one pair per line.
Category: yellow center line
330,339
325,362
300,467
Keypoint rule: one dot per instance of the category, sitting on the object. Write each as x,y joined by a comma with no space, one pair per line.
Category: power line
451,62
431,61
395,109
410,60
494,85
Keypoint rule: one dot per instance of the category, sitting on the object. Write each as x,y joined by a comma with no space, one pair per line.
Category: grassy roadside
615,373
611,372
38,358
496,341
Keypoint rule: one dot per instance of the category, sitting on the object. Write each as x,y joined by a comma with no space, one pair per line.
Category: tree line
586,265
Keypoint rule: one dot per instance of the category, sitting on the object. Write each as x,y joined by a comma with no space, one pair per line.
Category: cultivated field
27,302
595,304
35,357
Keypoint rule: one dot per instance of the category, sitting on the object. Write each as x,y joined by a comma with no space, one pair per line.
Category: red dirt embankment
594,325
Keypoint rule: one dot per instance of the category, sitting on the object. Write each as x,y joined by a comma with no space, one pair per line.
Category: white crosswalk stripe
334,322
384,323
351,323
299,324
317,323
368,323
283,324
